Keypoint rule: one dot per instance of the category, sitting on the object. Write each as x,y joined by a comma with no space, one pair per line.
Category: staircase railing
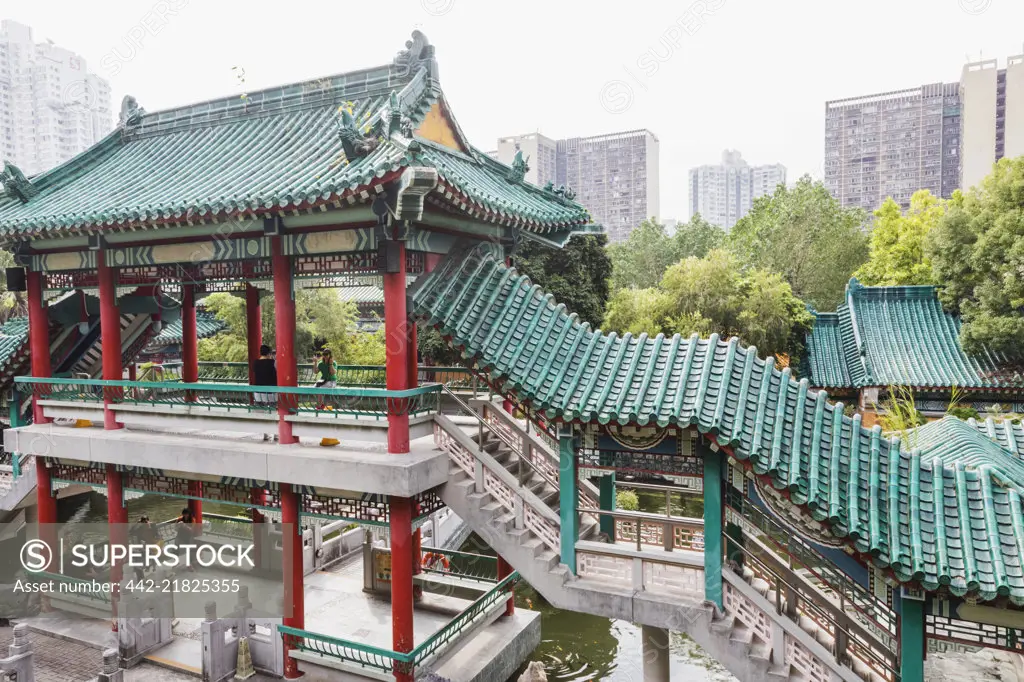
491,477
532,450
875,612
796,597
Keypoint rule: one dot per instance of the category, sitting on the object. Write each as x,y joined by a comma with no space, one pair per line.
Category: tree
10,304
322,319
640,261
803,234
715,294
577,274
977,254
897,254
697,237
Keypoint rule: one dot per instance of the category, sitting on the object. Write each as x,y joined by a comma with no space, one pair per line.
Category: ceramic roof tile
929,516
207,325
899,336
275,149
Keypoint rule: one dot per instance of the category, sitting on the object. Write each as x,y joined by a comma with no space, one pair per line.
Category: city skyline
637,77
52,107
723,193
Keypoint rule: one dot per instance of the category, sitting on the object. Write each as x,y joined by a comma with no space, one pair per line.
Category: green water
574,647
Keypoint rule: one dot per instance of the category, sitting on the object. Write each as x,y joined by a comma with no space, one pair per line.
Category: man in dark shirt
264,373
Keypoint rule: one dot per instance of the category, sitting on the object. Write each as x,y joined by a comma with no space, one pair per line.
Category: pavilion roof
898,336
948,515
282,149
207,325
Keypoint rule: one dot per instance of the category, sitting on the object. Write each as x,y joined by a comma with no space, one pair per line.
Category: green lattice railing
345,401
348,375
386,660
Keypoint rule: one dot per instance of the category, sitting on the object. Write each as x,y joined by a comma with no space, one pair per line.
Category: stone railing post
112,671
19,665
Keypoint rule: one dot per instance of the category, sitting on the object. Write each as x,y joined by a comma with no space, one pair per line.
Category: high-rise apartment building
892,144
938,137
615,176
724,193
51,107
992,122
541,151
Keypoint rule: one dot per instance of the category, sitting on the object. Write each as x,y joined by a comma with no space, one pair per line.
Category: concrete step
534,543
741,634
492,507
724,625
548,558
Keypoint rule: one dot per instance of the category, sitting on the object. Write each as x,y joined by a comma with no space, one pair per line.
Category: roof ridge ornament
517,171
565,192
131,112
398,123
16,184
417,50
357,143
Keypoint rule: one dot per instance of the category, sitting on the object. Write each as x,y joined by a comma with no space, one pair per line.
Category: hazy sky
704,76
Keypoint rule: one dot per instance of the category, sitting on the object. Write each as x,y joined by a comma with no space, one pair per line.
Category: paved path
57,660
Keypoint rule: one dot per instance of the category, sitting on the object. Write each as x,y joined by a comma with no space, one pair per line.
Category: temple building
883,337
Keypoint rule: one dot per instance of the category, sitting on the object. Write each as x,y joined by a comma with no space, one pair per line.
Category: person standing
264,373
327,369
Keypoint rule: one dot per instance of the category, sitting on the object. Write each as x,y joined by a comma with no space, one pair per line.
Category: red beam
505,570
189,335
396,358
291,559
117,521
402,636
110,330
284,328
39,338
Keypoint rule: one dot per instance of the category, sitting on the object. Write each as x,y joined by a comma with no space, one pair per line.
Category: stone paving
57,660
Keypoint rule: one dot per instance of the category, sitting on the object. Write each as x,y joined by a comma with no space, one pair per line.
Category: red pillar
133,372
189,336
417,552
117,520
291,559
196,506
284,328
258,497
402,636
505,570
47,504
253,327
396,332
110,330
39,339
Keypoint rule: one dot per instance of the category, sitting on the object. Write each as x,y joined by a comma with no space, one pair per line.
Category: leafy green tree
641,260
715,294
322,319
977,253
803,234
697,237
10,304
897,254
577,274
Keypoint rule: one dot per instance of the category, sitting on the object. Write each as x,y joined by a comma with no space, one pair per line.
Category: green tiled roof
273,150
928,521
13,341
207,324
1007,433
883,336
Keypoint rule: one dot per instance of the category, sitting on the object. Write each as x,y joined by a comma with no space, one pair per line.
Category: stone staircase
513,505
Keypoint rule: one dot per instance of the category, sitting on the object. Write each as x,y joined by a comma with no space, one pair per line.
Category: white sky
753,75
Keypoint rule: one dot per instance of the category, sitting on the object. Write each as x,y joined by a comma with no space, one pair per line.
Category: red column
291,560
189,337
402,636
196,506
258,496
110,330
117,520
39,339
133,372
47,504
505,570
284,328
396,349
253,327
417,552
